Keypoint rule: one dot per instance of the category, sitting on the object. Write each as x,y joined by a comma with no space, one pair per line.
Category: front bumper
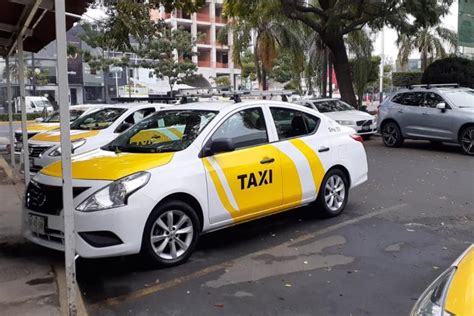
365,130
125,223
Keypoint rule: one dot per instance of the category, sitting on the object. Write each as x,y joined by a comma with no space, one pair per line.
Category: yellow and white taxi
48,124
90,131
452,293
195,168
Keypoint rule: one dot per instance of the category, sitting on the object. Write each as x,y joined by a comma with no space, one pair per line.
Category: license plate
37,224
365,128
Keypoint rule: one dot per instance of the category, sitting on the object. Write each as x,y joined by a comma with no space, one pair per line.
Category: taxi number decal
264,177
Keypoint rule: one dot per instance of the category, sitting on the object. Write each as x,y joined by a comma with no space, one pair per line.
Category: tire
332,181
161,251
466,139
391,135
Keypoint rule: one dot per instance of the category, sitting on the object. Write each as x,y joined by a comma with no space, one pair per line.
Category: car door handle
267,160
323,149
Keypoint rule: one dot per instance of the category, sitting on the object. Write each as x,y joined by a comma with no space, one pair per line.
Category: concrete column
21,80
10,114
212,15
230,42
194,35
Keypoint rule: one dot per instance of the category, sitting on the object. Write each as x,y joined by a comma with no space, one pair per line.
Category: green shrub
403,79
450,70
17,117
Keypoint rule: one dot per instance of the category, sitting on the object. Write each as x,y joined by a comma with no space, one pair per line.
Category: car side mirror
39,120
441,106
218,146
122,127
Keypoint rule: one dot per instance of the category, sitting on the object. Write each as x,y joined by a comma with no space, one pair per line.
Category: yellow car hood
107,165
55,135
460,298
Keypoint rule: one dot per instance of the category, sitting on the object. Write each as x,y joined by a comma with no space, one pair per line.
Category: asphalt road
410,221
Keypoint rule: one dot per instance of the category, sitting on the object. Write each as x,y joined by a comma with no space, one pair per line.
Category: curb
62,293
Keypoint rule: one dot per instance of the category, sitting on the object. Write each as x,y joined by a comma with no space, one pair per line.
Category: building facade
213,58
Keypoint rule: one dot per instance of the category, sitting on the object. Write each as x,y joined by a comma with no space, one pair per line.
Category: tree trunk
264,79
106,84
342,69
424,60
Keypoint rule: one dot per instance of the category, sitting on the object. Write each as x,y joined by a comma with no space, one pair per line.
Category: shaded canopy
39,15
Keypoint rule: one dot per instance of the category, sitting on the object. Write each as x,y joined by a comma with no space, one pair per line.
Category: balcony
222,65
204,63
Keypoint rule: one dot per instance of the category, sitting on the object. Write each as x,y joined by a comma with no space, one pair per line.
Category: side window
139,115
432,99
292,123
246,128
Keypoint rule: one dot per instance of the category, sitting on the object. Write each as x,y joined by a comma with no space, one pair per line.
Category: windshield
332,106
73,114
100,119
462,98
165,131
42,103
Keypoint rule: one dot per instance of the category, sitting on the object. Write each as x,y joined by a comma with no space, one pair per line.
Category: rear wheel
171,233
391,135
467,140
333,194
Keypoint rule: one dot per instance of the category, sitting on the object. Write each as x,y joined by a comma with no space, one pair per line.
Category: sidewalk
27,279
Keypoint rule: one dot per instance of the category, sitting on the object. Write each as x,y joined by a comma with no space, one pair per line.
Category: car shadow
434,147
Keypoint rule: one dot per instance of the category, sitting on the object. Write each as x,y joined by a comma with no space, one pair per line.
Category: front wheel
391,135
170,234
333,194
467,140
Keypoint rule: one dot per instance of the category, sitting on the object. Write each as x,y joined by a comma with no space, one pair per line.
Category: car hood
469,110
39,127
107,165
55,135
460,297
349,115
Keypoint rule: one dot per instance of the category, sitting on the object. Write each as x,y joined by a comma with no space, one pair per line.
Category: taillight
357,138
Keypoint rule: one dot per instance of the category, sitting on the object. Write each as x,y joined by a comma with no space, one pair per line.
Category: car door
244,183
303,154
409,113
437,124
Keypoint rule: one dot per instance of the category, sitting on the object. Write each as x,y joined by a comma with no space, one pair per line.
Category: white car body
363,123
299,166
42,145
34,105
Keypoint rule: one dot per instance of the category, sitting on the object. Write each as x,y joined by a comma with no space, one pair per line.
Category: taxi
193,169
452,293
90,131
48,124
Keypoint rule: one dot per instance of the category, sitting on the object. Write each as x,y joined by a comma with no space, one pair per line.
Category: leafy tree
429,41
222,81
360,46
450,70
332,20
271,32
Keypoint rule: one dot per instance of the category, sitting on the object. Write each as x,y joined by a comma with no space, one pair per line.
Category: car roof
226,106
433,89
320,99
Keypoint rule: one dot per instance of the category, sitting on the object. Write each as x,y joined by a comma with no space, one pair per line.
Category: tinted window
432,99
292,123
332,106
409,98
139,115
246,128
98,120
73,115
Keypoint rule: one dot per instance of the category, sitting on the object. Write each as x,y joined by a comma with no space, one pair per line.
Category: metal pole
68,208
382,57
21,80
116,84
10,114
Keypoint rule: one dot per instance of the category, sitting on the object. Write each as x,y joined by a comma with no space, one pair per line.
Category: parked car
452,293
50,123
363,123
88,132
195,168
34,105
436,113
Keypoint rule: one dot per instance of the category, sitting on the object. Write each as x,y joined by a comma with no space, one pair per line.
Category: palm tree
430,42
267,31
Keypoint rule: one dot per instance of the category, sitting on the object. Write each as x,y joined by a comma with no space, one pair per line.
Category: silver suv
439,113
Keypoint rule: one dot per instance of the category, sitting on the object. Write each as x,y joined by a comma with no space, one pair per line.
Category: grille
47,199
36,151
364,123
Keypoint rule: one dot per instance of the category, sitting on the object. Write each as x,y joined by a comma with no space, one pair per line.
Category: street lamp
116,71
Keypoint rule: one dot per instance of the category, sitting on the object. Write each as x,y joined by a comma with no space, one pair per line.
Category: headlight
346,122
431,302
74,145
115,194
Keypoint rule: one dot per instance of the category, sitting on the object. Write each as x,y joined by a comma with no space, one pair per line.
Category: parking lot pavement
399,231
